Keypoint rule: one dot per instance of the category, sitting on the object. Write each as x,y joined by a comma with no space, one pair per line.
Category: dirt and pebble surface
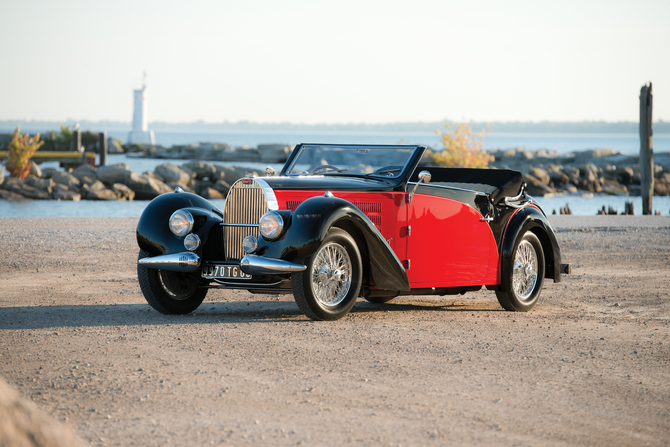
590,365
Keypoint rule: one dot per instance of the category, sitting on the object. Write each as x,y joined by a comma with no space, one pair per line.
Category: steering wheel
324,167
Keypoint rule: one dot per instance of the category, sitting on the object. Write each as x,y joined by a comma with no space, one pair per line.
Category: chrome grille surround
247,200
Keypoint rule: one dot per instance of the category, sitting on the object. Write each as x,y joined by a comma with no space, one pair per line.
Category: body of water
628,143
584,205
563,143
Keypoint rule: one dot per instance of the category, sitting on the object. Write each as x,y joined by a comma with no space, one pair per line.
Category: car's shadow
43,317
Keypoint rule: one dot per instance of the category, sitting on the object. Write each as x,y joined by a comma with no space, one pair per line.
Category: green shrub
463,148
21,148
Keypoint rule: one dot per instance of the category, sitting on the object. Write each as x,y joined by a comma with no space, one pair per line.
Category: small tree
21,148
463,148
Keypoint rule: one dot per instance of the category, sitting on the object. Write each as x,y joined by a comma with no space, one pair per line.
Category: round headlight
271,225
192,242
249,244
181,223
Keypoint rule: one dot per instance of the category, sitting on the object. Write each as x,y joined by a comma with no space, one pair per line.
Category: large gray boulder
171,173
101,194
273,153
146,187
62,192
201,168
211,193
19,187
45,184
222,186
85,174
65,178
231,173
123,192
541,175
113,146
34,169
117,173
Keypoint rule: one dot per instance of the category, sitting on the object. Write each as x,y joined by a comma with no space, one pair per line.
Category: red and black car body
343,221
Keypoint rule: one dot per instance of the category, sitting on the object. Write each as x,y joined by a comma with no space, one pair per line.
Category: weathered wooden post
76,141
102,148
646,149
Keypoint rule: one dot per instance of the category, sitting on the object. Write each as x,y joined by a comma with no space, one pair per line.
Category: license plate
223,272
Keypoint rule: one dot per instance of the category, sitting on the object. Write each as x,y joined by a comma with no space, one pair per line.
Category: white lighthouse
141,133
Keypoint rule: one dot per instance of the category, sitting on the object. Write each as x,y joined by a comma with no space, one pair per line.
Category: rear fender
309,225
529,219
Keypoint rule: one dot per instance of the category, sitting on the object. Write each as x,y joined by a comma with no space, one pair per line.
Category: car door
449,243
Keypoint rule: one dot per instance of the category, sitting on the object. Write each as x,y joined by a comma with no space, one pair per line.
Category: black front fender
153,232
529,219
309,225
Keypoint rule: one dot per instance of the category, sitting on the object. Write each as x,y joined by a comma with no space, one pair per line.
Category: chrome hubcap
525,270
331,274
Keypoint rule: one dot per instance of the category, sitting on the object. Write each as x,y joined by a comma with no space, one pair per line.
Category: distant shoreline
578,127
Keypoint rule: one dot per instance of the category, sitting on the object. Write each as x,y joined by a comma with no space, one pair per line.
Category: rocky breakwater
118,182
596,170
264,153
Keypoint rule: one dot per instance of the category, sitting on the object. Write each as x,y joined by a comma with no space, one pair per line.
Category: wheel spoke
331,274
525,273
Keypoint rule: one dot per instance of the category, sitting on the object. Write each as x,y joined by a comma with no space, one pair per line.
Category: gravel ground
588,366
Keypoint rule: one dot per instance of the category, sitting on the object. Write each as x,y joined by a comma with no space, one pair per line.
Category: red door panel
386,210
449,245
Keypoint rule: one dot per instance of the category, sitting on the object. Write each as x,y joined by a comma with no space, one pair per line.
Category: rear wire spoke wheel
526,275
328,288
169,292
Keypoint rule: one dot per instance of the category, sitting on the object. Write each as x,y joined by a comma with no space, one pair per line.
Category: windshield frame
412,160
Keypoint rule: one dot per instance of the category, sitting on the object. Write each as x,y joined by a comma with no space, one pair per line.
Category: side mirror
424,177
269,171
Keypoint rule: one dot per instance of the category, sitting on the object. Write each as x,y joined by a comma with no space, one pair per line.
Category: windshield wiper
385,171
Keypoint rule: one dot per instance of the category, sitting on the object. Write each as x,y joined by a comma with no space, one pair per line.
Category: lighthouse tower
141,133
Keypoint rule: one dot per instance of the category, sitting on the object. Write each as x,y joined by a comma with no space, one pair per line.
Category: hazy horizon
322,63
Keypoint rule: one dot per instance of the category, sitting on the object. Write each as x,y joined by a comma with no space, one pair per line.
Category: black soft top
507,182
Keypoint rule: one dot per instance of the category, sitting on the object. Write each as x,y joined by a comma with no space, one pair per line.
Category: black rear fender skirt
530,219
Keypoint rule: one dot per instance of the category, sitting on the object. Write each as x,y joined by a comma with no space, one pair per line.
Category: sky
311,61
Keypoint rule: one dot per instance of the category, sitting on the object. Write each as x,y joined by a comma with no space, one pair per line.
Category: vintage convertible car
343,221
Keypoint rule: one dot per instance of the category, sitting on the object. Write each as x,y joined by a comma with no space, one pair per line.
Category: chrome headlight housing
249,244
191,242
271,225
181,223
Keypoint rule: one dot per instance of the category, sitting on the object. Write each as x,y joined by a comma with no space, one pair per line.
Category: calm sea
563,143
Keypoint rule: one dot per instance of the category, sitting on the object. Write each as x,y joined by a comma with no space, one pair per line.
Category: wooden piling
76,141
102,148
646,149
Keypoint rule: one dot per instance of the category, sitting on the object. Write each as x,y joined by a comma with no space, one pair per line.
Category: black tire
329,291
528,263
169,292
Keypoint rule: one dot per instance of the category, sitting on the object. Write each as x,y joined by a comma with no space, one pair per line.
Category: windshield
385,161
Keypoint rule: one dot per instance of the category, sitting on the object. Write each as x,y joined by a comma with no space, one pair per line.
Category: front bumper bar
176,262
258,265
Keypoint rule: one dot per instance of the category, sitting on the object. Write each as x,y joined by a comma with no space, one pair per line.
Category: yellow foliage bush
463,148
21,148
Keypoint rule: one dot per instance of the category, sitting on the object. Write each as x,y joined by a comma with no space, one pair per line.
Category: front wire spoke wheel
331,277
328,288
